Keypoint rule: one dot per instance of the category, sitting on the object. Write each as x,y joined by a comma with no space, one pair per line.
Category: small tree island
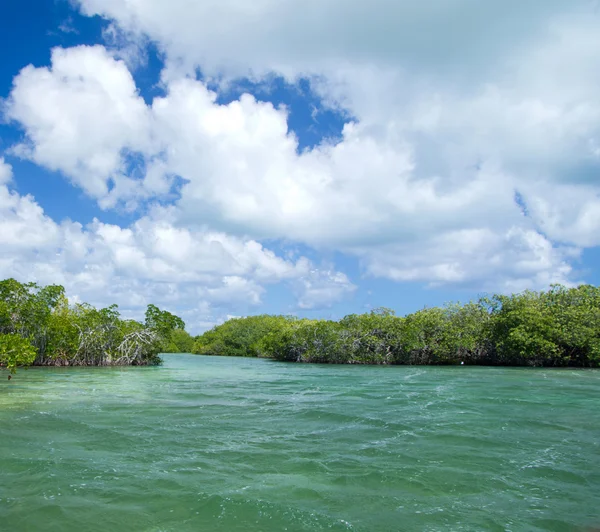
39,327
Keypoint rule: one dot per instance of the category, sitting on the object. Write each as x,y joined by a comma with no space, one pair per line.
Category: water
218,444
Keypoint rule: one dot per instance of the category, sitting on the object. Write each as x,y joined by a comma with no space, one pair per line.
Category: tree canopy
559,327
38,326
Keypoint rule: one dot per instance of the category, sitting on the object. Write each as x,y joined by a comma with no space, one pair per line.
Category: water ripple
237,444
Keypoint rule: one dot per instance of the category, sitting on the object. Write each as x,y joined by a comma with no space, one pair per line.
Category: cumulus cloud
453,119
201,274
478,258
566,212
459,82
322,288
83,116
238,39
5,172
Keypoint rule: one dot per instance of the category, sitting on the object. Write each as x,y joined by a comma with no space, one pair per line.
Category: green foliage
52,332
238,337
372,338
180,341
560,327
448,335
15,351
25,309
163,322
314,341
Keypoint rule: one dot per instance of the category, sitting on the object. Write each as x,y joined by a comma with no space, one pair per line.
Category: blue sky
314,158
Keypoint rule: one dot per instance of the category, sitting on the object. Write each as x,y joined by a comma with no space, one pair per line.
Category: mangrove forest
38,326
559,327
556,328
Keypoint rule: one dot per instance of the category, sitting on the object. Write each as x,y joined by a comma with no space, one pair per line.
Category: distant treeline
560,327
38,326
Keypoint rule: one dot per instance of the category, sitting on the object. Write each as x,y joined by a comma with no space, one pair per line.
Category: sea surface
230,444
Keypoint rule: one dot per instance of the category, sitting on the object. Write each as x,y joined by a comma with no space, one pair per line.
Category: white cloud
458,82
363,196
458,106
5,172
566,213
83,116
236,288
321,288
196,273
312,36
24,227
478,258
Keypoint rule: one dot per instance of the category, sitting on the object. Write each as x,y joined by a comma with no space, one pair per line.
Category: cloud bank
471,158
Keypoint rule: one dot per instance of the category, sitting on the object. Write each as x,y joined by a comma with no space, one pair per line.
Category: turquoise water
220,444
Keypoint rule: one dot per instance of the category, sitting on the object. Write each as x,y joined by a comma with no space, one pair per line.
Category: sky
318,158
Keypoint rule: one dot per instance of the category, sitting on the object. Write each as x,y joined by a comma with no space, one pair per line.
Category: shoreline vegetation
555,328
39,327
